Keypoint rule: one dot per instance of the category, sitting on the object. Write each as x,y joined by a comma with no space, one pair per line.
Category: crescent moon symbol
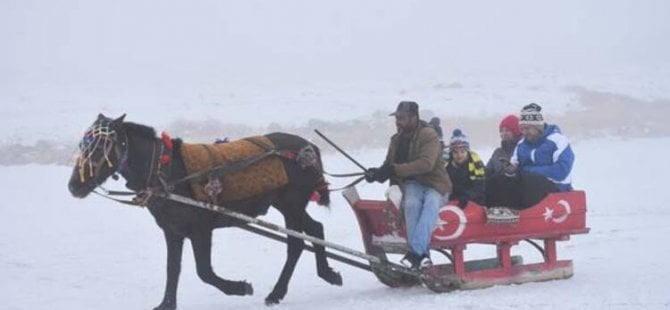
563,217
462,221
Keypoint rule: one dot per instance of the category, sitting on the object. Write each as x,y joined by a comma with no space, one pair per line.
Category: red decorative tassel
167,141
289,155
165,159
315,197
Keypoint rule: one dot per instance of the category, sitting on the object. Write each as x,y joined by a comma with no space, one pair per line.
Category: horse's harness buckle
213,187
142,198
307,157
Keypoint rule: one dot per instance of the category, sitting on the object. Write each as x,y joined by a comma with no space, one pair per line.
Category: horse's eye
85,142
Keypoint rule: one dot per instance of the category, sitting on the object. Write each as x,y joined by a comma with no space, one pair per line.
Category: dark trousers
518,192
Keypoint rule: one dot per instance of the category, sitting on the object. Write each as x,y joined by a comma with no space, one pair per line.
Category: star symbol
548,214
441,223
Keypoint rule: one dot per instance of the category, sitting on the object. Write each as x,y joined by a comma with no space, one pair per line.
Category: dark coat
424,162
495,166
468,180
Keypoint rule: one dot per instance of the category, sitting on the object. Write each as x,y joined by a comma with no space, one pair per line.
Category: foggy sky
127,44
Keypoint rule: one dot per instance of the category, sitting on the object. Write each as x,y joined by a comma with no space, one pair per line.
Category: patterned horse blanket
265,175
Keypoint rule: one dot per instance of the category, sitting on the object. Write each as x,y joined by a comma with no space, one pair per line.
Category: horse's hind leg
315,229
202,249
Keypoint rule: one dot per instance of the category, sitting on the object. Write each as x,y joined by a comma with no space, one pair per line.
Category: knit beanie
530,115
458,139
511,123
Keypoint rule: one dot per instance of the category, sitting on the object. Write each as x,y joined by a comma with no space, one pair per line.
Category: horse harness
161,166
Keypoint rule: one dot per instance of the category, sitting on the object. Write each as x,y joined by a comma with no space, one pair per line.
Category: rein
345,175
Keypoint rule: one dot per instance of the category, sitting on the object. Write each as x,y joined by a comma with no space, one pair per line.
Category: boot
411,260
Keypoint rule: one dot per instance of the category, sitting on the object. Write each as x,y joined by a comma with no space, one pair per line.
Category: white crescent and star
440,225
549,213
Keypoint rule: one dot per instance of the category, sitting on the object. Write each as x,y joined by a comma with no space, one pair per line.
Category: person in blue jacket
544,150
541,163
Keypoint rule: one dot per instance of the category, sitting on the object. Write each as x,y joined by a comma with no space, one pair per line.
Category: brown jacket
425,163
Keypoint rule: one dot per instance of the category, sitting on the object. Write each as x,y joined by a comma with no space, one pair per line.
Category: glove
380,174
510,170
371,174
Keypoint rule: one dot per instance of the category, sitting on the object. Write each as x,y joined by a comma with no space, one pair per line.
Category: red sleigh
554,219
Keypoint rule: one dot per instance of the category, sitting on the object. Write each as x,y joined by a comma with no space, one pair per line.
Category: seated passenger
413,161
541,164
466,171
510,134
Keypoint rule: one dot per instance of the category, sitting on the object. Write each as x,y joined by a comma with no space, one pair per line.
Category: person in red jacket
510,134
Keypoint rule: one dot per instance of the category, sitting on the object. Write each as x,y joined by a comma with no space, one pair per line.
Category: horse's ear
120,119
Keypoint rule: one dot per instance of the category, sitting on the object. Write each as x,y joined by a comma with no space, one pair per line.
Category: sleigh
555,218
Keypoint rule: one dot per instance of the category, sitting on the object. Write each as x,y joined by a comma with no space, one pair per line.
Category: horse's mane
148,132
140,130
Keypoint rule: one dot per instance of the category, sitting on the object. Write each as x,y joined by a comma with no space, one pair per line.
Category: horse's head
102,153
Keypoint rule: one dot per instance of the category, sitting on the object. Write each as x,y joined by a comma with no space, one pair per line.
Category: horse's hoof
336,279
248,289
332,277
167,305
241,288
269,301
272,299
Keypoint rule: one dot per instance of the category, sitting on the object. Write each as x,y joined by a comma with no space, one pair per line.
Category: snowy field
207,69
57,252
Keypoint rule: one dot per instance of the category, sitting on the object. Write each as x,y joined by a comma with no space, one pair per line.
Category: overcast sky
139,43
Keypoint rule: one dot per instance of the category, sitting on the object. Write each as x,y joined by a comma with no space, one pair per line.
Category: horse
113,146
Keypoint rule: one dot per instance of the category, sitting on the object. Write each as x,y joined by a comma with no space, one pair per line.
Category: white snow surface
58,252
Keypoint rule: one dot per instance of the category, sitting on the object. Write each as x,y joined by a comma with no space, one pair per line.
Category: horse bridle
109,138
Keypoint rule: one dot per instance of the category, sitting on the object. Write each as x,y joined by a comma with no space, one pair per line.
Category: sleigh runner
555,218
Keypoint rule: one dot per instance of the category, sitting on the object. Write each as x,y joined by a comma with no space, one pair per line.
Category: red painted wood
555,218
558,215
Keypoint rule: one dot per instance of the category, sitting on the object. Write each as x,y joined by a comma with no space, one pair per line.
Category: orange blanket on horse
257,178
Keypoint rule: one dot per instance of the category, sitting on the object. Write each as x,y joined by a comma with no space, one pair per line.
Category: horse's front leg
201,242
175,245
294,248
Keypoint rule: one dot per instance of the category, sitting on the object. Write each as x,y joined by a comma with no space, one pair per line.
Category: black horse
112,146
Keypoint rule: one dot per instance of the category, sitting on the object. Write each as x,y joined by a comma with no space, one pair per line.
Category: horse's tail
323,192
322,185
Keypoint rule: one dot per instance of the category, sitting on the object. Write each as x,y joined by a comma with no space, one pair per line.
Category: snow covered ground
57,252
203,69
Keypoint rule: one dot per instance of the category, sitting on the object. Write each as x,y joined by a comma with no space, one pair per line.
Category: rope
358,180
343,175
